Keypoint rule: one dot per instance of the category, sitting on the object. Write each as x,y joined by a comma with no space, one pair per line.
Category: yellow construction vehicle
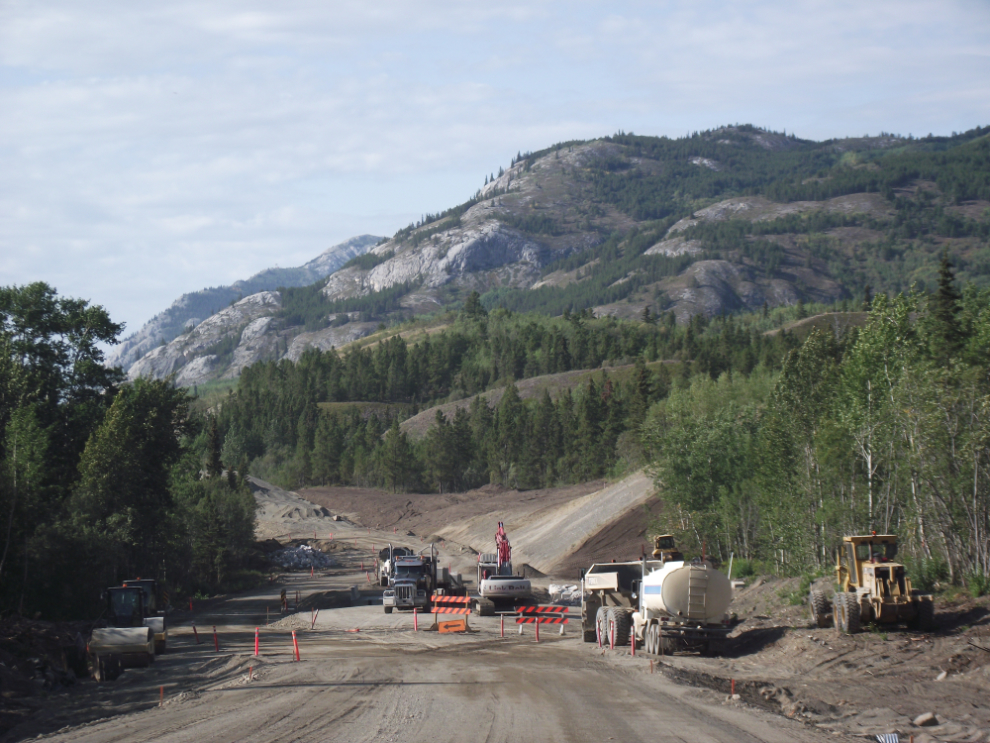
872,587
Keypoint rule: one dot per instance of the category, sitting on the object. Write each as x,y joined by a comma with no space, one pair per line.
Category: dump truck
126,642
667,603
154,612
872,588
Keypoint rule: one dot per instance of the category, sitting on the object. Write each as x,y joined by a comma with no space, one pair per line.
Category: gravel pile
299,557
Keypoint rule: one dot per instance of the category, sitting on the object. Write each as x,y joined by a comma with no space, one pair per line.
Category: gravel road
389,683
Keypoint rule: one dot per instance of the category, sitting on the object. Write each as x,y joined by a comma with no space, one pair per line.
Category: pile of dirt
37,658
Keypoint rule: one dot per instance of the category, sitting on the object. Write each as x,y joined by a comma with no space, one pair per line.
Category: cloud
148,150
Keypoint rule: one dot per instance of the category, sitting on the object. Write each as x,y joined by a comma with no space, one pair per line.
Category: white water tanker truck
668,603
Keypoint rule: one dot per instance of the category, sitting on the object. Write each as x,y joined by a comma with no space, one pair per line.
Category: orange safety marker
256,641
598,634
295,644
310,571
367,575
501,622
161,696
733,687
216,641
537,631
195,633
611,635
632,643
315,617
190,604
250,672
415,619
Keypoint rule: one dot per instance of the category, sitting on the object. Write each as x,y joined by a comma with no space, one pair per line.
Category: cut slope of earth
546,527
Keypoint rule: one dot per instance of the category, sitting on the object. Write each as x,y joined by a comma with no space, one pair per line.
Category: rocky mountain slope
191,309
732,219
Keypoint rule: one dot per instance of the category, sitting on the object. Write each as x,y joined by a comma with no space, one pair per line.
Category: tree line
101,480
885,428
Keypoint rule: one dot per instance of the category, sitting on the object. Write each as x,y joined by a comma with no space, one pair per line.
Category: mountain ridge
732,219
193,307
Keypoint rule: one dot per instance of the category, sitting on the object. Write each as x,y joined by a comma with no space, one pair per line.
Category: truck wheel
924,620
621,619
819,608
388,609
589,635
601,624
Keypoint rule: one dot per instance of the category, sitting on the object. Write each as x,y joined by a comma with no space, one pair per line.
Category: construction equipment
386,562
154,612
412,579
496,581
127,641
668,604
872,587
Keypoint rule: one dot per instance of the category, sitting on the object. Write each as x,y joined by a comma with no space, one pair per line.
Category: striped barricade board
543,609
451,604
542,614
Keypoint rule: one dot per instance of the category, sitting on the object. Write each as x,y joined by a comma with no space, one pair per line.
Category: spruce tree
945,305
213,464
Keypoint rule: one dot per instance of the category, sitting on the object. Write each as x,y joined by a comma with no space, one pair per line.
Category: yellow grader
872,587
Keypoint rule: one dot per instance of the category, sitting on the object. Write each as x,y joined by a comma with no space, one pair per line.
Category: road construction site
363,675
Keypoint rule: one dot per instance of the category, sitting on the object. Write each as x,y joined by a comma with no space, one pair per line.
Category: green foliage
367,261
90,469
885,428
978,584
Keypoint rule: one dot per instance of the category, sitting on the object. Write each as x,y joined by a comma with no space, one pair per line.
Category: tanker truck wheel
620,619
652,640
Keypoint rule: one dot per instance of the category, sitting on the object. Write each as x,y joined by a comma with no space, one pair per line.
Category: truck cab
409,585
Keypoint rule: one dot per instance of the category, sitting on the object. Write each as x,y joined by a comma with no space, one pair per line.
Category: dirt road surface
389,683
368,676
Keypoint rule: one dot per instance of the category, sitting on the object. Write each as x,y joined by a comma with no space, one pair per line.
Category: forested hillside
763,445
101,481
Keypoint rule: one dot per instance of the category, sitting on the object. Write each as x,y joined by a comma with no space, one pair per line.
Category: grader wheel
819,609
847,613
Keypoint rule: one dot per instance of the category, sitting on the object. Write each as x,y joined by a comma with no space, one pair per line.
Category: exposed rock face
191,355
502,254
329,338
189,309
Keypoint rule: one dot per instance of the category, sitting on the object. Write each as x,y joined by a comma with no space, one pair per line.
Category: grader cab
871,587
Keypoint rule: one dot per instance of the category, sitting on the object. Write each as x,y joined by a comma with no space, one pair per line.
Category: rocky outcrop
193,357
190,309
329,338
480,253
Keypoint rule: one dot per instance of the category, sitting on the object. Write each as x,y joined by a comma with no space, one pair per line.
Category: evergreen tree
214,466
945,306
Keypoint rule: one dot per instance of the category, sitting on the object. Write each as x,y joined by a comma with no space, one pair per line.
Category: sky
151,149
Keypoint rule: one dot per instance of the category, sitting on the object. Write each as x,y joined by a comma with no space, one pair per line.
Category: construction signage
451,605
541,614
452,625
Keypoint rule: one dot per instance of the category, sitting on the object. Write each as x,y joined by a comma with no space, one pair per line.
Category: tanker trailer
668,604
682,605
